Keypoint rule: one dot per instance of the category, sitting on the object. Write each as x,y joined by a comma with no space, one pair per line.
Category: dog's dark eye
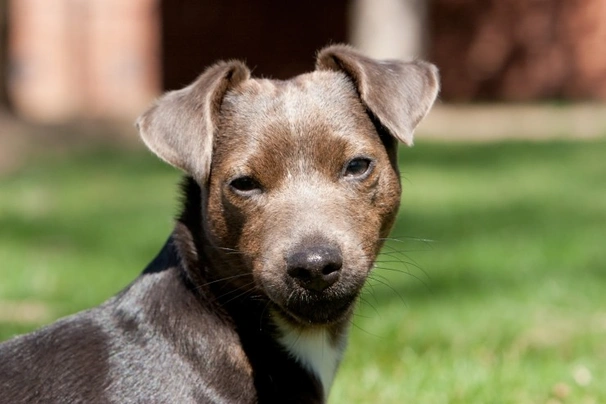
245,185
358,167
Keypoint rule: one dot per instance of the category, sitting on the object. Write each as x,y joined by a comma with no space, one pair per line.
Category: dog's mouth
313,285
304,307
317,313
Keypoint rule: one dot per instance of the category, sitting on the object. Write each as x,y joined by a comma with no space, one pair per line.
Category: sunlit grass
505,303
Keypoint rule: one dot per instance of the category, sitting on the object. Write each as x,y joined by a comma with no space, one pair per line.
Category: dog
290,189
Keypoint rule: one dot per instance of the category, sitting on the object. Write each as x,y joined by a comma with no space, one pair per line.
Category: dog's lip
339,307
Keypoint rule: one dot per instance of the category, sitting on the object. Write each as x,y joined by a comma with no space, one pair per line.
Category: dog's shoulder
153,341
61,361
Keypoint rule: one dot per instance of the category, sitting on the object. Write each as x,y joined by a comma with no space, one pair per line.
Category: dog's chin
309,310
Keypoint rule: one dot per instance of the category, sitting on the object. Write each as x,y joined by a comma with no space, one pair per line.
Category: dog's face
300,187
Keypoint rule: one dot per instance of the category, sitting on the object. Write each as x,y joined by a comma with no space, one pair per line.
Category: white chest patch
314,350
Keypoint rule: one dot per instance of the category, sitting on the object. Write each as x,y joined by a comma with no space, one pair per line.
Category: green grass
505,304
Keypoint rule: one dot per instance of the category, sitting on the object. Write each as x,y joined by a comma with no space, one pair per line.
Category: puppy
290,189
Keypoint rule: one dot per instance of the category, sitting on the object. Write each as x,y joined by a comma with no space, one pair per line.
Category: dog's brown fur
291,188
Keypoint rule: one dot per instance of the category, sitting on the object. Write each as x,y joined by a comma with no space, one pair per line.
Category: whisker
398,239
409,274
406,264
263,314
244,293
362,329
411,262
227,278
385,282
363,300
225,248
237,290
395,252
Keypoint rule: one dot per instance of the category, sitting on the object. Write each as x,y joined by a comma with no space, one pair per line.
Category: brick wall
83,58
519,50
103,59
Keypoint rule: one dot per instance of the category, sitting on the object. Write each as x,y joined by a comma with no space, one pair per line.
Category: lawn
492,291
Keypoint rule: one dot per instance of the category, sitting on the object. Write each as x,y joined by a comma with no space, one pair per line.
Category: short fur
290,189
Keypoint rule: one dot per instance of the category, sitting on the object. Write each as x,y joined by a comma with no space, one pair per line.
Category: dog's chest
315,350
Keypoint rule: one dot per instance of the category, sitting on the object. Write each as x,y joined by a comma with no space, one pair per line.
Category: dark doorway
276,39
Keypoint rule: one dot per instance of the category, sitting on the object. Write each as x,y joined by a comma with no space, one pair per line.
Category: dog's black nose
315,267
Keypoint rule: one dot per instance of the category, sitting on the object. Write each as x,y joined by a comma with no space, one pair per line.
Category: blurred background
494,287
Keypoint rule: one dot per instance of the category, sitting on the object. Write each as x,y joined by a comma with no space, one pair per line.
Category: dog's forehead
320,98
278,129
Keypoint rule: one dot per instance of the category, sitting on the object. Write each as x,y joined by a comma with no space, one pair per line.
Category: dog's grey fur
290,189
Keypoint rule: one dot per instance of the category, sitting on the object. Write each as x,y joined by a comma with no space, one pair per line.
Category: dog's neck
319,350
285,353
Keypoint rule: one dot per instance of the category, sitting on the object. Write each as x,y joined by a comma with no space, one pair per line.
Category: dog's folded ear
179,126
399,94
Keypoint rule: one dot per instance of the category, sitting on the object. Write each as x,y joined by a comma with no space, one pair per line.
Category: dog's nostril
331,267
315,268
302,274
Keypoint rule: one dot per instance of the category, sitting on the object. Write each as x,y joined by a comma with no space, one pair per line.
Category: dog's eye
245,185
358,167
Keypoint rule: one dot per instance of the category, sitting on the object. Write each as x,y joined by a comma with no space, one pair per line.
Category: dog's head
299,178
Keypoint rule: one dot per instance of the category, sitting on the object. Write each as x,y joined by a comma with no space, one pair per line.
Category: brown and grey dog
291,188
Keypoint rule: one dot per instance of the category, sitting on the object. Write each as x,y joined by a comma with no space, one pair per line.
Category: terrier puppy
290,189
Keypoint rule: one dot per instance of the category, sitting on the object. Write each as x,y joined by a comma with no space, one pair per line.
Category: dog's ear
179,127
399,94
